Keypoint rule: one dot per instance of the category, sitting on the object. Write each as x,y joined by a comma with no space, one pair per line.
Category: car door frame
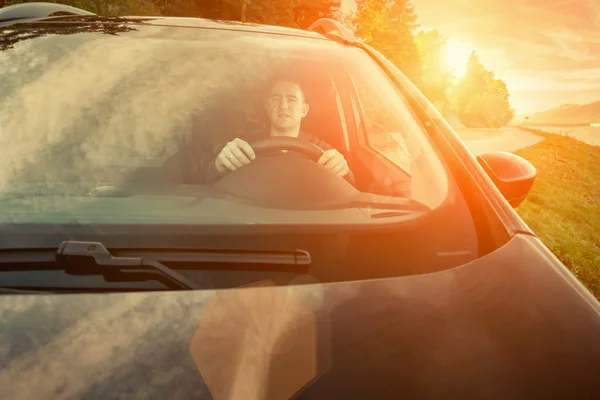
495,220
386,177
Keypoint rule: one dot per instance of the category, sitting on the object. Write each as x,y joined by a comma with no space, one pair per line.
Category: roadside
587,134
563,207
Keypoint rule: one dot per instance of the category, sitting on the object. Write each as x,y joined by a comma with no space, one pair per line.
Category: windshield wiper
5,290
93,258
77,253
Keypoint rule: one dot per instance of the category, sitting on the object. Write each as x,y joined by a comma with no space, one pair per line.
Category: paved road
503,139
478,141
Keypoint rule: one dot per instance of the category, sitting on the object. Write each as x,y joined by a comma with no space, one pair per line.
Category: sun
457,55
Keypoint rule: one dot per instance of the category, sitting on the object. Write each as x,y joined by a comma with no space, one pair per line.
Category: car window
137,111
391,128
110,133
383,132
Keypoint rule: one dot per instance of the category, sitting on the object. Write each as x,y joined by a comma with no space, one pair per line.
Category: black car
127,273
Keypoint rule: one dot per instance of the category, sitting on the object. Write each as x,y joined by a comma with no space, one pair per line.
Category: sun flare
457,55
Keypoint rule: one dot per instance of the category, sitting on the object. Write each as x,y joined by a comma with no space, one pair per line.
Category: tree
481,100
436,76
388,26
308,11
291,13
102,7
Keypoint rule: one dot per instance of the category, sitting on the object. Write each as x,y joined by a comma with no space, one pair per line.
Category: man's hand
334,161
234,155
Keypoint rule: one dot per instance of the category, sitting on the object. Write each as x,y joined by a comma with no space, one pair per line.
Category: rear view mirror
513,175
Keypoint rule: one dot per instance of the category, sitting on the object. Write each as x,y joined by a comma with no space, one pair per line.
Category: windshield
237,154
122,127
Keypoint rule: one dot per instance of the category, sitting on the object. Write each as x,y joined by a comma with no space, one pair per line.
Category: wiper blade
74,252
93,258
6,290
233,260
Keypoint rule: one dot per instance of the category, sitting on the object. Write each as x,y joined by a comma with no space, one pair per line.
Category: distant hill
567,114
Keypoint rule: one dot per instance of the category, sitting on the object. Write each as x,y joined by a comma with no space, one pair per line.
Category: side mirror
513,175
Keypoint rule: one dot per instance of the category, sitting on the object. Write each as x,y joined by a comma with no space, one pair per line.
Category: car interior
335,116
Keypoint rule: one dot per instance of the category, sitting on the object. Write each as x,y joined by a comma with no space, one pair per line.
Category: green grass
563,207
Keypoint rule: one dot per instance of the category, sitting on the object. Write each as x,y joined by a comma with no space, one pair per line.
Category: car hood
513,324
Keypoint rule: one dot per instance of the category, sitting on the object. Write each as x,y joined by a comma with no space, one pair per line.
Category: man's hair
286,77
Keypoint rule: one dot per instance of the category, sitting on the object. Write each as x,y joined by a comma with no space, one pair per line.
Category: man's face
285,105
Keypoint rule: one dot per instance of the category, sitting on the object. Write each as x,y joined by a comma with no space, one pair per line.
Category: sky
547,51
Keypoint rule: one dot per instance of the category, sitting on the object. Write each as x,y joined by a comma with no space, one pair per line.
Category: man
285,106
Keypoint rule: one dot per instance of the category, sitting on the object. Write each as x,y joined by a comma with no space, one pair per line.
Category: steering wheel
286,182
308,149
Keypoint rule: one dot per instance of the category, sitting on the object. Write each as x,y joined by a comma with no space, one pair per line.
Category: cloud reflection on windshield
76,104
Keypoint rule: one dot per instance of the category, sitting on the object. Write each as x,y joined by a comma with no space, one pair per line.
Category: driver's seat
211,130
323,119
